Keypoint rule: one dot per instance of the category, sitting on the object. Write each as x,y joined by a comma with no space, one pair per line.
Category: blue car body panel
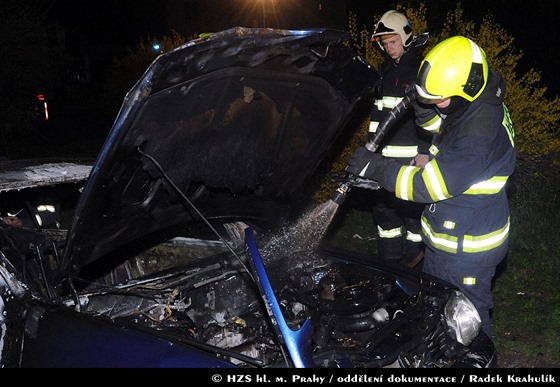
297,341
68,339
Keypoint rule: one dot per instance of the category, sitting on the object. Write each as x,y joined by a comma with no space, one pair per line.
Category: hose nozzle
372,145
340,193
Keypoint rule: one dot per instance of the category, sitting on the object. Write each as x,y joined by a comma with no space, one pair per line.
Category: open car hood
237,123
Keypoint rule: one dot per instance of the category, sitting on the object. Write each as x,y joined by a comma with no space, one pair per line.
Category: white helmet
393,22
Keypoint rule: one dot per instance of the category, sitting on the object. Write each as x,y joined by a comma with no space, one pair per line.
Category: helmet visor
427,98
423,95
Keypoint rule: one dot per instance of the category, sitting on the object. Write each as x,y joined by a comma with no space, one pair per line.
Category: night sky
115,25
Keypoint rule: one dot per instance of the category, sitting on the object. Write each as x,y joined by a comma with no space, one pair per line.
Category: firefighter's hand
365,163
420,160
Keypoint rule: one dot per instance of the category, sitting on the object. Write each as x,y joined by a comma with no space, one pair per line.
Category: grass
526,314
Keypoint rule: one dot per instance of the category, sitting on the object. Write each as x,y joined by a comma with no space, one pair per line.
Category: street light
264,13
264,5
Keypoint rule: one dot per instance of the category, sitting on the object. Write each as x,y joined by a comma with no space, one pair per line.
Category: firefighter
42,216
466,219
397,221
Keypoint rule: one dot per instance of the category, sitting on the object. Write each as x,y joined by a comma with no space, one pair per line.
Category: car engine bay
361,317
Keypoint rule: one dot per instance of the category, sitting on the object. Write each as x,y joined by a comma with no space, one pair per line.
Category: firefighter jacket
463,185
406,139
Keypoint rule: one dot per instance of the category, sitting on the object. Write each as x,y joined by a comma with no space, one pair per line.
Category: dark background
106,28
85,37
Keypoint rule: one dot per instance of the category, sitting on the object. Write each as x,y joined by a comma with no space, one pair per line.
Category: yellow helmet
454,67
393,22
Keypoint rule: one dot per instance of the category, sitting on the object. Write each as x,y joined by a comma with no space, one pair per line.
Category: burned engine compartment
201,292
204,293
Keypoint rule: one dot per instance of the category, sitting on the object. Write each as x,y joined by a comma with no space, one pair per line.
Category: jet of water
304,234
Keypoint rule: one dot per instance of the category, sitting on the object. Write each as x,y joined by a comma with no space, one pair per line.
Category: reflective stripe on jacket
406,139
464,184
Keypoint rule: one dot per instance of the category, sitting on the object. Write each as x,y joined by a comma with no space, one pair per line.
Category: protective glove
366,163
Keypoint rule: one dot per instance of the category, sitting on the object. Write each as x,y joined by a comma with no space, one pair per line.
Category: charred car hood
232,122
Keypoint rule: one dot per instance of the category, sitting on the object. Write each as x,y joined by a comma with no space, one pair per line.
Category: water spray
350,180
306,233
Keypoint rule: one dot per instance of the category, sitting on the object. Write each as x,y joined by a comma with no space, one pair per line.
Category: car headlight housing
462,318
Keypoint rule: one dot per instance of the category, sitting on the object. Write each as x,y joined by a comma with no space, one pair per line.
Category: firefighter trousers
398,227
472,276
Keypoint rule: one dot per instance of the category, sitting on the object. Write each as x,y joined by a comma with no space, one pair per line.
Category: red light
41,97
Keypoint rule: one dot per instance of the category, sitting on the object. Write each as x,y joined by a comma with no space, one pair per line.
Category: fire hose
350,180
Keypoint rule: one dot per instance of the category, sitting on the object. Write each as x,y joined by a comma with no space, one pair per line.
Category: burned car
194,241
